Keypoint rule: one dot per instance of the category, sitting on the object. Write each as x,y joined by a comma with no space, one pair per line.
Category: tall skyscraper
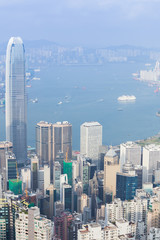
91,140
62,139
130,152
151,156
111,167
126,185
44,142
4,147
16,108
53,140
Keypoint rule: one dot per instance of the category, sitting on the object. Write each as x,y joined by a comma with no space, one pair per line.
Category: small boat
35,100
59,103
36,78
158,113
100,100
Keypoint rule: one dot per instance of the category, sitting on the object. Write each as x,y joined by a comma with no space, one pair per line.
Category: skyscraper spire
16,105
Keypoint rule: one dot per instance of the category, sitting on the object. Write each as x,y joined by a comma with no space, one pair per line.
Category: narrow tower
16,105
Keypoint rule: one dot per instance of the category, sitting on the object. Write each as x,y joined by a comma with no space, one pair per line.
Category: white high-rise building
56,176
32,226
16,104
151,156
26,178
90,140
130,152
44,178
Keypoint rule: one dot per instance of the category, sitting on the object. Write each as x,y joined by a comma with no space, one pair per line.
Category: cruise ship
126,98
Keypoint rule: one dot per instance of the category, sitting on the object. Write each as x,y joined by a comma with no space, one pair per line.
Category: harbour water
89,93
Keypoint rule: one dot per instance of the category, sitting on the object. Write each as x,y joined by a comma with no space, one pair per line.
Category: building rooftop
5,144
44,124
62,124
111,153
130,144
152,147
91,124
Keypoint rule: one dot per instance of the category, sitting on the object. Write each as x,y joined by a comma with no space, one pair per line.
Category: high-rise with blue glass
16,105
126,185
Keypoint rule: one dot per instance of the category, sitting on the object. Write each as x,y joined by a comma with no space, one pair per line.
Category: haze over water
81,90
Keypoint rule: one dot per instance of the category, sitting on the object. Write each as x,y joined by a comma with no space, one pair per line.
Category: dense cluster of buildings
151,75
101,192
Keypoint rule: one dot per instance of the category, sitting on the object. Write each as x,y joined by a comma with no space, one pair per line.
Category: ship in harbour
126,98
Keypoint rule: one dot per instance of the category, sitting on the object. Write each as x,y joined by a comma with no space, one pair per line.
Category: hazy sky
82,22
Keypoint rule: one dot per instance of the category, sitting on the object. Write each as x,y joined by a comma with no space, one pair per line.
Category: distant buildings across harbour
149,75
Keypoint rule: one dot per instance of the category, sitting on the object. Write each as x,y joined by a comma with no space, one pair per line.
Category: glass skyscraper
16,105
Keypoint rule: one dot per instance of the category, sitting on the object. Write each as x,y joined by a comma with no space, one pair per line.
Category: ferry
126,98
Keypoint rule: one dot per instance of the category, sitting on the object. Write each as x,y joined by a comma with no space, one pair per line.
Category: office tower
34,172
126,185
102,151
111,167
44,142
130,152
44,178
129,167
67,197
75,169
51,192
92,170
58,208
56,177
16,104
83,201
91,140
78,190
75,225
63,180
67,169
139,172
62,139
86,216
4,147
11,170
153,215
62,224
86,177
26,178
151,156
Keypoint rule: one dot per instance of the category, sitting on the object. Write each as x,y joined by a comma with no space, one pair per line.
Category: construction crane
67,156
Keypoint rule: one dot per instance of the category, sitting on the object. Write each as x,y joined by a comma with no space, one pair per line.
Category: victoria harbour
86,93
